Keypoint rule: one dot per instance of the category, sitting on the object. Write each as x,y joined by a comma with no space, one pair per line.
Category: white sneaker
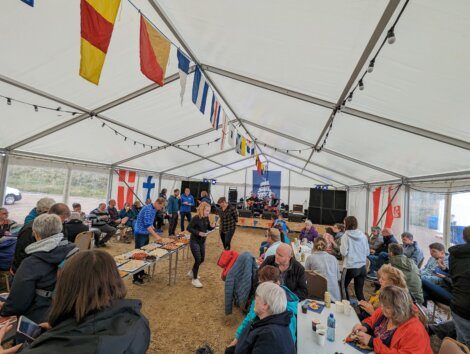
190,275
196,283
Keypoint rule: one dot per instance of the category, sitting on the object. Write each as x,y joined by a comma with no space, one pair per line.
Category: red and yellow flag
154,52
97,23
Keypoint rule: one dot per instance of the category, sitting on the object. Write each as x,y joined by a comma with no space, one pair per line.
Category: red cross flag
125,188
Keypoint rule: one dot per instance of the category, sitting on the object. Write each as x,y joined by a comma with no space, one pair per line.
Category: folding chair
451,346
83,240
317,285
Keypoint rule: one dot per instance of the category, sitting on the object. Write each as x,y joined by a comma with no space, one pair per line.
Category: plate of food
352,340
170,247
166,240
122,273
149,247
121,259
315,306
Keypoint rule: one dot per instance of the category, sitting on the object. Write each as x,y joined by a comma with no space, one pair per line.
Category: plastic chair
451,346
83,240
317,285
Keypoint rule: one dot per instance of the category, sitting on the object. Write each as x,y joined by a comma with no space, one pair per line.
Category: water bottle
330,333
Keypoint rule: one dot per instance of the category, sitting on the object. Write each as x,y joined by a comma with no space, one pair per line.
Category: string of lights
390,39
36,107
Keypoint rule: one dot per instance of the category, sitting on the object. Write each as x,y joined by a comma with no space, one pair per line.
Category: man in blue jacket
172,210
187,201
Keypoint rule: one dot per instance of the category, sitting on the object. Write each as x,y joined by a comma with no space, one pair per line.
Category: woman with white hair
309,232
269,331
35,279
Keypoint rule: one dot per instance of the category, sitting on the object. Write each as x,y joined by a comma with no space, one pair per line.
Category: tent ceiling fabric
311,47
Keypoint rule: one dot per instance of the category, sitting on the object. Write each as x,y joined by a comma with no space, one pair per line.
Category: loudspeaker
245,214
328,199
314,215
340,200
268,215
333,216
232,196
315,198
296,217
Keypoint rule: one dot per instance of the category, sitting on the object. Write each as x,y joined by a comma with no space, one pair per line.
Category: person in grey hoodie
355,249
411,248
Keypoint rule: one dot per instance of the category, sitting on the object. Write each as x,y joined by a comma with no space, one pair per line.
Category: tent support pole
3,178
366,226
447,218
406,208
288,191
244,192
68,182
159,183
110,184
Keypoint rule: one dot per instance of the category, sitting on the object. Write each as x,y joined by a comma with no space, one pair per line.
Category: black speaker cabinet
232,196
245,213
315,197
296,217
340,200
314,215
328,199
268,215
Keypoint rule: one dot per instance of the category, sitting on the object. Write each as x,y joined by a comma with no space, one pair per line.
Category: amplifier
296,217
245,214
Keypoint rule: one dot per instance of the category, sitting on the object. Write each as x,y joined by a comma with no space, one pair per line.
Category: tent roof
279,68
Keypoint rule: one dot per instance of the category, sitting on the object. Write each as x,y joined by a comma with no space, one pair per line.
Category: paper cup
339,307
347,310
321,337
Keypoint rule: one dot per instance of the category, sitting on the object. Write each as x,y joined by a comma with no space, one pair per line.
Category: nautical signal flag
224,130
232,136
183,68
250,147
97,23
200,88
241,145
154,52
215,112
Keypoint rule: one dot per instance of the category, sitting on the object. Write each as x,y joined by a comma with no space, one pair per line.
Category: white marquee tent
280,68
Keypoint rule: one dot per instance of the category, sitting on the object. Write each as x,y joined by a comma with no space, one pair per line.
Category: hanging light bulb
361,85
135,142
8,101
391,36
125,138
102,125
115,132
36,108
371,66
350,97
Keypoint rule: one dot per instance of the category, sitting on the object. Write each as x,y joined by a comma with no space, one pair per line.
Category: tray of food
170,247
133,265
158,252
166,240
150,247
121,259
122,273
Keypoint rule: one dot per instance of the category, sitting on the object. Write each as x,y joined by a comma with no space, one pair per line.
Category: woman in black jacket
89,312
199,227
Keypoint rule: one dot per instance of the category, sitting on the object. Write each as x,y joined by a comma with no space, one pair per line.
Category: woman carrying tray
199,227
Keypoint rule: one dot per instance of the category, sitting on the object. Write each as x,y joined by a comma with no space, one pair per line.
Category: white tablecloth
306,338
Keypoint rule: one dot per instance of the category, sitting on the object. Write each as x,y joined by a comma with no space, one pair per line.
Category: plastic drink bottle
330,332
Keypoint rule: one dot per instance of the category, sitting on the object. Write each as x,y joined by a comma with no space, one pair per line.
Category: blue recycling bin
456,234
433,222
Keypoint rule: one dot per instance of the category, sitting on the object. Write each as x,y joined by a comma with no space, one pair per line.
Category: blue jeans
435,292
377,260
141,240
462,327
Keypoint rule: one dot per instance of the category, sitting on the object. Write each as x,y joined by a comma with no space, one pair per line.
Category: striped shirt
145,219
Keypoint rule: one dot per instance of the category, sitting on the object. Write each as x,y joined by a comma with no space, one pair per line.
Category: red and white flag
126,185
382,202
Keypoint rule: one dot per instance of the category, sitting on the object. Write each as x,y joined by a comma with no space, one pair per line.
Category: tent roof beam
216,168
166,19
328,151
87,113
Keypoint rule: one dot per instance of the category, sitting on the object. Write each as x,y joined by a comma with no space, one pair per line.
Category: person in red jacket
394,328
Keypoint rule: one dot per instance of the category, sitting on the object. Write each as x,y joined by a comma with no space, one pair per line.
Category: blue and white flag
183,66
200,88
215,112
29,2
